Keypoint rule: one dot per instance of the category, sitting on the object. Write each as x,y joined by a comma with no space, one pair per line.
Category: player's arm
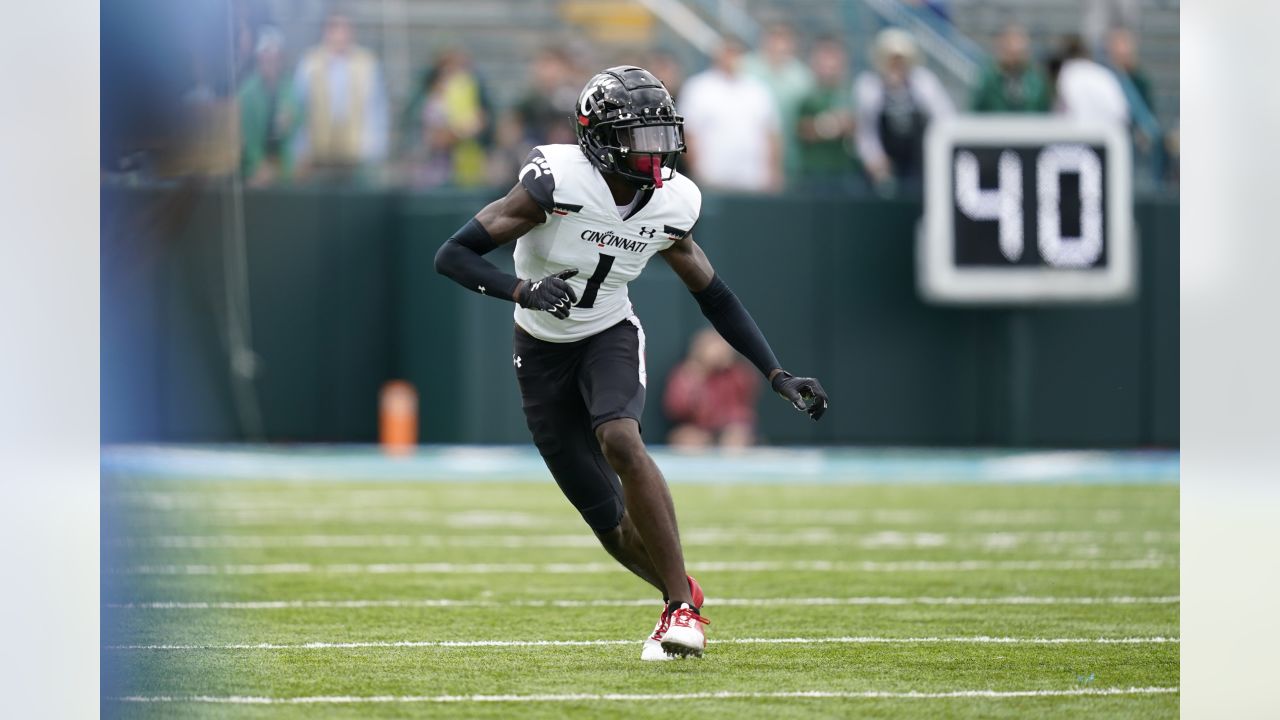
461,258
730,318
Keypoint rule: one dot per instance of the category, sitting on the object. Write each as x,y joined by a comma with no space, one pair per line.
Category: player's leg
626,546
561,427
573,456
612,378
612,381
648,502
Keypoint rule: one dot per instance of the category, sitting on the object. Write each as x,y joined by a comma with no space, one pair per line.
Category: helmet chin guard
627,125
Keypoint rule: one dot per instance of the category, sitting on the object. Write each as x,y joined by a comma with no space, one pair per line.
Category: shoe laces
664,622
686,617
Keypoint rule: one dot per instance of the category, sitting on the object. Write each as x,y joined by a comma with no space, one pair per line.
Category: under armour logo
515,360
481,289
647,232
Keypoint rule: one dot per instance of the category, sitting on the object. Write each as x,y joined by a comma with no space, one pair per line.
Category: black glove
551,293
806,394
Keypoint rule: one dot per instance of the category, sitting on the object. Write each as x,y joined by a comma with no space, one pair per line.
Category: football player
586,219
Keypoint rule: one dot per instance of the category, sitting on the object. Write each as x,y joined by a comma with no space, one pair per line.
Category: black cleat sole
681,651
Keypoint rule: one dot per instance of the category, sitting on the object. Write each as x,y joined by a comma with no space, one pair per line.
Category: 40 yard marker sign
1023,210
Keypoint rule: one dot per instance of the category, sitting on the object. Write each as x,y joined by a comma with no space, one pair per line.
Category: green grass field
882,600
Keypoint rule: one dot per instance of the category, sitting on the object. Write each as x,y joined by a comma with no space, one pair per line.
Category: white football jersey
584,230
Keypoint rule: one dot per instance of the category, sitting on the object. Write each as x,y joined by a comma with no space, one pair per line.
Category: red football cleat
684,635
696,591
653,649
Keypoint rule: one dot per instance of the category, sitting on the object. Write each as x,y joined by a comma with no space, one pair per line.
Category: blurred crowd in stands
786,114
710,397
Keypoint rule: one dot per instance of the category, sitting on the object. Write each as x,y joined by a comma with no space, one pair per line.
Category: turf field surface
331,598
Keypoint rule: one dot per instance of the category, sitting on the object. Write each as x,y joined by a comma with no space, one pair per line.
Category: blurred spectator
1122,55
711,396
1085,90
1013,83
545,113
895,104
449,121
249,18
731,126
209,122
339,85
824,126
787,78
508,151
171,110
1173,154
1101,16
267,113
1152,154
667,68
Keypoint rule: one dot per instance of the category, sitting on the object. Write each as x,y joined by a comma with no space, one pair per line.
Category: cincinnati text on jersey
608,239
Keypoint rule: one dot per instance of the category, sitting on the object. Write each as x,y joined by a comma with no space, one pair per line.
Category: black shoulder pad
536,177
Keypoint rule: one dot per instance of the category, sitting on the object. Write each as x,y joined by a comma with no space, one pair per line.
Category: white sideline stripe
259,515
394,503
847,640
645,602
1149,563
582,697
698,537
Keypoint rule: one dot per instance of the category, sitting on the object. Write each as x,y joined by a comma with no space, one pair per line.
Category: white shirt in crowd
733,118
1090,92
869,97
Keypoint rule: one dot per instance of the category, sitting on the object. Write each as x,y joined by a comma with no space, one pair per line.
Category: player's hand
551,293
806,394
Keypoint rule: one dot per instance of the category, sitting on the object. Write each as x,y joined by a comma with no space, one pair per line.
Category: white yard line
256,513
694,537
639,602
645,697
346,514
1148,563
912,516
845,640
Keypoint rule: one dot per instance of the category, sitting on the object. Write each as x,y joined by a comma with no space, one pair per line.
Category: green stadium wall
344,297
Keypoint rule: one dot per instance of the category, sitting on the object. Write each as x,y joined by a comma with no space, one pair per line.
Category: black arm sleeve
734,323
460,259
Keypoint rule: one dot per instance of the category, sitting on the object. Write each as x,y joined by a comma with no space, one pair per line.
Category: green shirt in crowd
829,157
267,119
1026,91
1142,84
788,84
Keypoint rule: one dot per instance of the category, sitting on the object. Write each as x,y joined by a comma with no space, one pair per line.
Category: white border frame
941,281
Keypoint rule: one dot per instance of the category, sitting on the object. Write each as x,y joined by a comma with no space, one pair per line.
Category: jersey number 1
593,283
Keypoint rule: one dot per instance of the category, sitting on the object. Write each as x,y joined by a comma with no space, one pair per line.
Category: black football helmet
627,125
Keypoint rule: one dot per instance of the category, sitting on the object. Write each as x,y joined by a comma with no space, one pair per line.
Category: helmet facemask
634,133
649,150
